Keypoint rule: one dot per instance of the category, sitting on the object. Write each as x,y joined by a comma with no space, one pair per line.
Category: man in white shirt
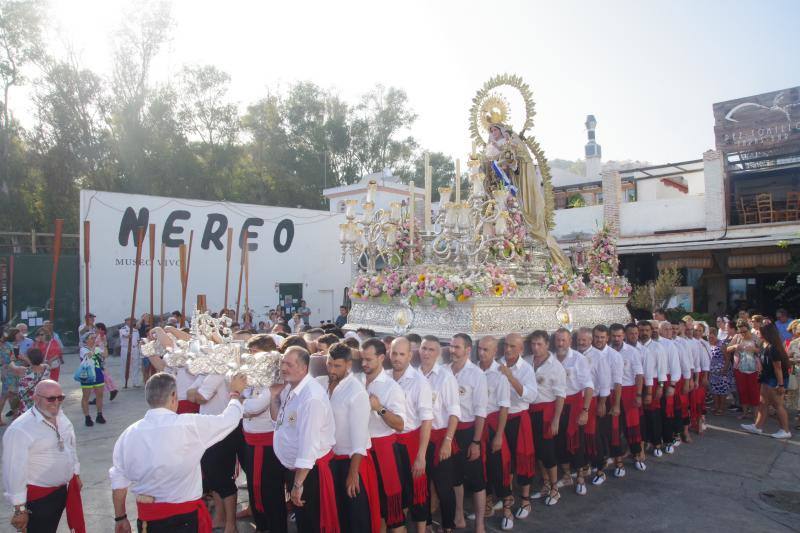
40,465
570,445
354,479
87,327
446,410
689,377
655,377
128,333
413,441
670,422
219,461
473,397
545,412
680,355
497,453
387,417
158,458
704,354
629,422
519,433
607,378
304,439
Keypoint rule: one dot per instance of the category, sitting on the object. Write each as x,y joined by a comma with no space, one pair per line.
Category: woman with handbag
91,376
51,349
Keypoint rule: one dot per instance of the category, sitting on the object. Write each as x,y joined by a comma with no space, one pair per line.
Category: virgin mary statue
509,163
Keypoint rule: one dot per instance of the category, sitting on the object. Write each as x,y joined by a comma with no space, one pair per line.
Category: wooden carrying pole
139,239
152,267
246,280
161,287
56,256
10,287
243,243
228,265
186,262
86,247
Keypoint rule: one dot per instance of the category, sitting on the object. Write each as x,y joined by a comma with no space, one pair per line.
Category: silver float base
526,311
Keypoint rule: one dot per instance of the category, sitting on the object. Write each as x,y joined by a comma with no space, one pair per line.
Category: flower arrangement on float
603,264
513,243
564,283
438,285
402,247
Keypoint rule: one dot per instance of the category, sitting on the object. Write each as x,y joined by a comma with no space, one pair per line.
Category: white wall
578,220
647,217
311,258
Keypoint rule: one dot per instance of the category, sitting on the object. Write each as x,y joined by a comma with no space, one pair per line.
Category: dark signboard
764,122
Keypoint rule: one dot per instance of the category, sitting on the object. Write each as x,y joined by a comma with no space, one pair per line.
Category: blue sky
649,71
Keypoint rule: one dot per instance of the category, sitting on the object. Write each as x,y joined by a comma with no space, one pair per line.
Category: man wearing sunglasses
40,465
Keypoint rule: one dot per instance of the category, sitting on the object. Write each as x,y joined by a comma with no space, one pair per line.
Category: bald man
40,465
413,440
524,390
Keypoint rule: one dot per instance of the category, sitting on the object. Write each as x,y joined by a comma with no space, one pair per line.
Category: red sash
366,471
654,405
185,406
151,512
575,403
328,514
383,450
698,398
548,410
525,455
410,441
669,401
74,506
492,421
683,398
632,420
258,441
590,430
437,438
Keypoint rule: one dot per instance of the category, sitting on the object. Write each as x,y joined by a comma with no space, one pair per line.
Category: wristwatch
382,411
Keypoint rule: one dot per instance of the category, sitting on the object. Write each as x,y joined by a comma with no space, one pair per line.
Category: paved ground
725,481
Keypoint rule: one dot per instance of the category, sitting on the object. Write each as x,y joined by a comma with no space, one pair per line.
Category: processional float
485,264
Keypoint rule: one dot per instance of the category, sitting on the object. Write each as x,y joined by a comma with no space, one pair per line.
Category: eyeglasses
53,399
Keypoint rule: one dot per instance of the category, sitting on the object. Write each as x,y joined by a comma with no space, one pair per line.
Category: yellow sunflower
498,290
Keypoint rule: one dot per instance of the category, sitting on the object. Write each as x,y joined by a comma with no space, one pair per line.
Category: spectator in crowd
341,320
23,342
773,379
745,348
47,328
305,312
95,355
8,355
29,376
782,322
52,350
86,327
102,341
296,323
719,373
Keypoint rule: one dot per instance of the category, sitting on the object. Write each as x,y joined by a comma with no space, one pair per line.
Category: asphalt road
725,481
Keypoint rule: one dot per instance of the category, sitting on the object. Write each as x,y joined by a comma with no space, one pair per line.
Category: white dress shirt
685,355
183,380
444,392
705,355
159,455
551,379
674,368
304,430
257,407
499,389
606,369
32,456
578,372
473,391
655,362
351,414
214,389
522,372
391,396
419,397
631,364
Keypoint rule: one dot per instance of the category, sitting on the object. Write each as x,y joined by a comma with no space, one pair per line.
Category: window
598,198
630,194
341,206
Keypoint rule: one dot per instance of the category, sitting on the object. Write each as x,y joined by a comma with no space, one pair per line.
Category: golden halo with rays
494,110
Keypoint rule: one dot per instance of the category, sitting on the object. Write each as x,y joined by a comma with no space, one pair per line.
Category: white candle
458,180
428,192
372,188
394,210
411,222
